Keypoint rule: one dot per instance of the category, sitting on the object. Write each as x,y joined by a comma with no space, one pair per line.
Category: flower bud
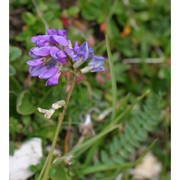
49,113
41,110
58,104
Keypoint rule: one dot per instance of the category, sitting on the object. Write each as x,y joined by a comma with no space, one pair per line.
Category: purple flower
58,55
53,37
40,51
53,80
59,32
58,36
49,57
97,63
78,52
41,40
45,69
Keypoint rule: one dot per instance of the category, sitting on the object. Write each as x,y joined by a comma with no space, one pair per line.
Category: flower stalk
47,164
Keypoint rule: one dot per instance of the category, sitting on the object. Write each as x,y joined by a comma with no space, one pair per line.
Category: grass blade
113,77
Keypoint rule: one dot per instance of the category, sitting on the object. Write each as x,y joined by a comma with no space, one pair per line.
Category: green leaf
12,70
57,172
106,167
24,105
72,11
15,85
117,159
15,53
104,157
29,18
33,168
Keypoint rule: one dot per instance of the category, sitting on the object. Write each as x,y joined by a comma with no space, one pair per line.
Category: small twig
141,60
40,14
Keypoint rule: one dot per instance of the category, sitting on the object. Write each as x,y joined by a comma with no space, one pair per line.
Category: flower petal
53,50
53,80
37,70
35,62
97,63
91,52
58,55
61,40
61,54
61,60
84,49
51,32
62,33
98,69
71,53
48,73
41,51
76,46
41,40
32,54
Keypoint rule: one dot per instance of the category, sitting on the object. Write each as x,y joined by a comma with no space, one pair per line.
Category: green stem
44,167
60,120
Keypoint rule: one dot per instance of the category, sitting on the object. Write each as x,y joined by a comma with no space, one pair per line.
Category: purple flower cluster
53,50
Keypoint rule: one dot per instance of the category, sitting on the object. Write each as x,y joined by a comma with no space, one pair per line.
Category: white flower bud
49,113
58,104
41,110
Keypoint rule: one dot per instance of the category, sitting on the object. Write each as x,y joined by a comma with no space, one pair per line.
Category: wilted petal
35,62
48,73
41,51
53,80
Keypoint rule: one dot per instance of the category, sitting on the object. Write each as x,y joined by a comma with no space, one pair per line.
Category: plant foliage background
139,37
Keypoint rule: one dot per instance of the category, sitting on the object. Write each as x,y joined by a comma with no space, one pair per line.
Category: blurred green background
139,37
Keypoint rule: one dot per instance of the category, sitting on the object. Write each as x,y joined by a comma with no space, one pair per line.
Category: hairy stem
47,164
